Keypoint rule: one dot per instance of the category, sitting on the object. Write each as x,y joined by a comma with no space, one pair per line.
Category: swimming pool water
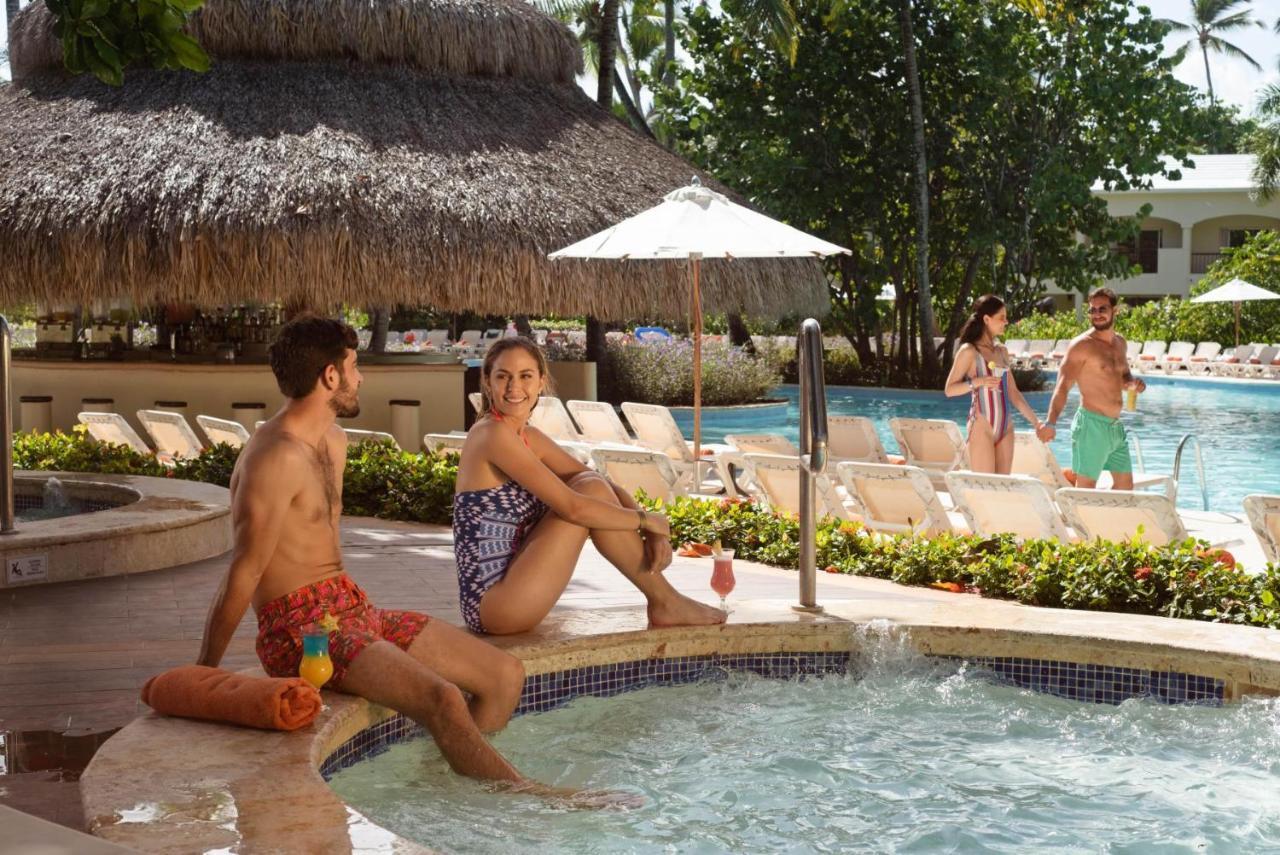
1238,425
920,757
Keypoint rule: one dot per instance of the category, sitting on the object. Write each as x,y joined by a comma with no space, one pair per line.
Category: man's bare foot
680,610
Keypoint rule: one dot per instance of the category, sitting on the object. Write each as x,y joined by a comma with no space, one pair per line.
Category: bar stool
248,413
97,405
406,424
36,412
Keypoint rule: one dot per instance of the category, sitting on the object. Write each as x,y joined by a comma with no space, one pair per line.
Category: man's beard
345,406
1103,326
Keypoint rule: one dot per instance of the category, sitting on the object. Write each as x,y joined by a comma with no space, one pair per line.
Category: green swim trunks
1098,443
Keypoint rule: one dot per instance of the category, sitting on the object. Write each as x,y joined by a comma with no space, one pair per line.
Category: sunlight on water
912,756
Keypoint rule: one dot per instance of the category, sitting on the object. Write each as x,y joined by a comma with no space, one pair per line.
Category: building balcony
1202,261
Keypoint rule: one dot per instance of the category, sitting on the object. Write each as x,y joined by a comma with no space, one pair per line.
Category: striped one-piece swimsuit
991,404
489,526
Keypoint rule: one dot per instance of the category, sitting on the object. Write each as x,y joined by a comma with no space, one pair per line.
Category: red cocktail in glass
722,580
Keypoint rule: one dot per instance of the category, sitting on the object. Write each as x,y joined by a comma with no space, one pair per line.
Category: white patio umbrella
1236,291
693,223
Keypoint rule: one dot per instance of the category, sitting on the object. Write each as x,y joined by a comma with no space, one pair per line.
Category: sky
1235,81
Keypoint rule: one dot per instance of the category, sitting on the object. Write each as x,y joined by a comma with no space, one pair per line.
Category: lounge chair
1131,351
778,476
446,441
467,342
1205,353
894,498
742,444
636,470
112,428
172,436
1231,363
934,445
1264,517
436,340
598,421
1261,364
1007,504
855,438
356,436
554,420
1038,350
1176,357
1017,348
1032,457
656,429
1059,351
1151,353
1120,515
223,431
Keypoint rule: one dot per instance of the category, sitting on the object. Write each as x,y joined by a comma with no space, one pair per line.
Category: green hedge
1186,580
380,481
661,373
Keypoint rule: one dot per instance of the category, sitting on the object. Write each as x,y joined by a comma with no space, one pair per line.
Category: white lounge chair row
173,438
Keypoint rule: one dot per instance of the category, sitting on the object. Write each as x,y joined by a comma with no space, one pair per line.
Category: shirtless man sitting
1097,362
286,504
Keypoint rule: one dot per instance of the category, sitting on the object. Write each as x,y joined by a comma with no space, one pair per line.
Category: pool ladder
1177,466
813,456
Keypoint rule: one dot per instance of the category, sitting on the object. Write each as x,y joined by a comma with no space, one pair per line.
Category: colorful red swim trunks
282,621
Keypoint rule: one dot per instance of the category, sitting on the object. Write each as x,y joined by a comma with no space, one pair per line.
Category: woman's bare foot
679,610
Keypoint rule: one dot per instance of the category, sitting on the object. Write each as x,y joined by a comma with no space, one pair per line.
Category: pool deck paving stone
69,662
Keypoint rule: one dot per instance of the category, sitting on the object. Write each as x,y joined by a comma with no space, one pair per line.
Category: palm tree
1210,17
1264,143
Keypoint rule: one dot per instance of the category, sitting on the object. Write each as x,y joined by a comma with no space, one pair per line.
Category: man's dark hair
305,347
1105,292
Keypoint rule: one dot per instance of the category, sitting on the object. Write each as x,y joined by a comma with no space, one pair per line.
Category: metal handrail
813,455
1177,467
6,428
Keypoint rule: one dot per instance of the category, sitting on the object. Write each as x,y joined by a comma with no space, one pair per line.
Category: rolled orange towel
212,694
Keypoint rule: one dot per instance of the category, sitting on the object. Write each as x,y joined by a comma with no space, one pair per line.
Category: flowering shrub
661,373
1185,580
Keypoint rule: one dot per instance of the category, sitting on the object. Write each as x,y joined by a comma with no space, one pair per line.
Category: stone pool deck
73,656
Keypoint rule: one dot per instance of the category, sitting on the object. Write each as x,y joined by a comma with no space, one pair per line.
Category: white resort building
1212,206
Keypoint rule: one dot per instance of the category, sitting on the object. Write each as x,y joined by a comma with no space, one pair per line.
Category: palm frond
1223,46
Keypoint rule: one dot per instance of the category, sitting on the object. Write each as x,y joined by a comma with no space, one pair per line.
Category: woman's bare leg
541,571
982,452
1004,454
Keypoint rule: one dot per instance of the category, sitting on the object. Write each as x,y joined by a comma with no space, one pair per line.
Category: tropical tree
829,145
1208,18
1264,143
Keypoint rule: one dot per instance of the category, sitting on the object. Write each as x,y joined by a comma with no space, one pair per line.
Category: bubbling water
904,753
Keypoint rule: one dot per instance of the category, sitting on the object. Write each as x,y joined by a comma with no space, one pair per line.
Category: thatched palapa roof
384,151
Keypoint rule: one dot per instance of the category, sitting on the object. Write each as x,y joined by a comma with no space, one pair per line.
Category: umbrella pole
1237,323
696,312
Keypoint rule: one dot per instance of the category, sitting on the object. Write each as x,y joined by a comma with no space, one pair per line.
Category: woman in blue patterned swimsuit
524,508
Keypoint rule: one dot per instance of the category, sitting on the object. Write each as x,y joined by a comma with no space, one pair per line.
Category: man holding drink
1097,362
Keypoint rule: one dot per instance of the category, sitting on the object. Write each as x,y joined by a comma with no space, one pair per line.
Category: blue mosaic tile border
1099,684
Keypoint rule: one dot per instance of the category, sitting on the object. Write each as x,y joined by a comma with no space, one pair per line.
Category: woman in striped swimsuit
524,508
982,369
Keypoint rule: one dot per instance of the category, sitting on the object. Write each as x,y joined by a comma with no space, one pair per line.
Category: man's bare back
308,548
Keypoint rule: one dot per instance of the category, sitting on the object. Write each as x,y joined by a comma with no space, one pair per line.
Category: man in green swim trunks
1096,361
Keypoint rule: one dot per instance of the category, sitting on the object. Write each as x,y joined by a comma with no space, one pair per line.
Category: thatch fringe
490,38
319,183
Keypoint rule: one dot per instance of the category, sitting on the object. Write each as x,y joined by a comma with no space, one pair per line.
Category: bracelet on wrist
642,518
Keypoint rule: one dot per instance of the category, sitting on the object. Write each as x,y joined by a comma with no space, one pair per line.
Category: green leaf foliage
380,479
1022,116
104,37
1185,580
1173,319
